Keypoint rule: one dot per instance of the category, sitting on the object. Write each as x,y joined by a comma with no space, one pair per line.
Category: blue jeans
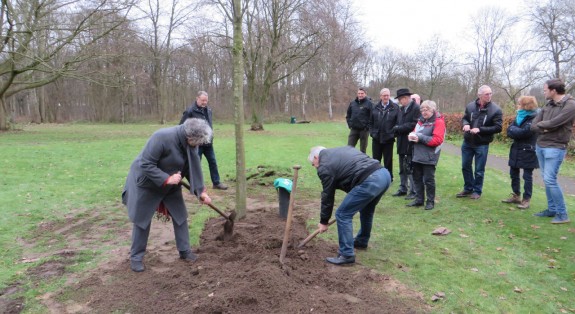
208,151
550,160
362,198
473,181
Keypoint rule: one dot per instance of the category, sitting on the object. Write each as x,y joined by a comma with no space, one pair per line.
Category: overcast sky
410,21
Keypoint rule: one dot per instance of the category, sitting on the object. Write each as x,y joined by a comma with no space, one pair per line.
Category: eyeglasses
425,109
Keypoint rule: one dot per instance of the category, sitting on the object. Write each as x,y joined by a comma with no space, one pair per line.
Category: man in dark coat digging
363,179
153,184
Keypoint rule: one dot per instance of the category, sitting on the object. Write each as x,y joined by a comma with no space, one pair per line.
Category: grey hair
202,93
384,90
198,131
482,89
429,103
313,152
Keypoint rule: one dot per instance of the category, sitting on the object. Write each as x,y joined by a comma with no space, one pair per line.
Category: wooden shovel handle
311,236
212,206
289,214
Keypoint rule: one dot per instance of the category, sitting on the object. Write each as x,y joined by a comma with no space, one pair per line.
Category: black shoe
341,260
360,246
410,197
220,186
429,206
188,256
137,266
399,193
415,204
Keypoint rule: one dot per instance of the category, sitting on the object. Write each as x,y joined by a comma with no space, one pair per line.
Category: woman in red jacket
427,137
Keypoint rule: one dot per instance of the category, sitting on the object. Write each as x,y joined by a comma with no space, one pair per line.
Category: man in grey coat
153,184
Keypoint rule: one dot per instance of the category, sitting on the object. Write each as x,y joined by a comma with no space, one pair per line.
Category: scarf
522,114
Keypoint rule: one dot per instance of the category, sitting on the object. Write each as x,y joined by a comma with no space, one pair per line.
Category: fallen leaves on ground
438,296
441,231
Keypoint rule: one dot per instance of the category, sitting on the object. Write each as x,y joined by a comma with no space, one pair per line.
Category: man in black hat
408,115
357,118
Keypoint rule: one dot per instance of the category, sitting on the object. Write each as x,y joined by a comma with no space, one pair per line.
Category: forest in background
124,61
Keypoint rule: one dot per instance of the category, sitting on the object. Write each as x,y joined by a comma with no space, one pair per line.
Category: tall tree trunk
4,126
237,86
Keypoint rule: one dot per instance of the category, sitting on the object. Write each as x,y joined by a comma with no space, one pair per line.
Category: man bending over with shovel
363,179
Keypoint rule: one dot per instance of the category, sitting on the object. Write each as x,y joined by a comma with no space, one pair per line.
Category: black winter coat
358,114
522,153
195,111
405,124
341,168
489,120
382,122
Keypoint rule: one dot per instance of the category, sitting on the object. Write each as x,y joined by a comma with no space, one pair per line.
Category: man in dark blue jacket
201,110
363,179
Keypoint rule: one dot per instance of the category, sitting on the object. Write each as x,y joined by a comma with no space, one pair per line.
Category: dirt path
500,163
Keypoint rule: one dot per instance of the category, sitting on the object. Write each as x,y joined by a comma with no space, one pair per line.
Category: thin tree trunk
237,86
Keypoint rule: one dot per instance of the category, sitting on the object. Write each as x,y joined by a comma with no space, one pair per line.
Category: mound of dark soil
243,275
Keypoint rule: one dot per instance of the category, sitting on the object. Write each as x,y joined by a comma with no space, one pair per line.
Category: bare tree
552,23
436,60
275,37
234,12
488,29
519,69
339,55
164,21
65,30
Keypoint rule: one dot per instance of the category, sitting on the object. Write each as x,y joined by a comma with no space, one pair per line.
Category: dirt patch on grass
243,275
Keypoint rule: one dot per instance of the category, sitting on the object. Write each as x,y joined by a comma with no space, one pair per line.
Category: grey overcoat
166,152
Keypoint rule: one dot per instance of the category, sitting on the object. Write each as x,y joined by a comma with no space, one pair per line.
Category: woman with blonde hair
522,153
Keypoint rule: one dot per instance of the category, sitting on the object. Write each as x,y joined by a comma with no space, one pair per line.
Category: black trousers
384,150
424,181
516,181
406,174
361,135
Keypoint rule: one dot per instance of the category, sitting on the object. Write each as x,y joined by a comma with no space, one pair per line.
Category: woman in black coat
522,153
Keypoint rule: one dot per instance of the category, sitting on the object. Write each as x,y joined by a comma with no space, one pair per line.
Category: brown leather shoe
524,204
475,196
464,193
513,199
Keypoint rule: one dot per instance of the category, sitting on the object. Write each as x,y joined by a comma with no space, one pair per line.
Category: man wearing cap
408,116
357,118
481,121
364,180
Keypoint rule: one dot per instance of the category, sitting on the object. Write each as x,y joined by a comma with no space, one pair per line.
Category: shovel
311,236
228,225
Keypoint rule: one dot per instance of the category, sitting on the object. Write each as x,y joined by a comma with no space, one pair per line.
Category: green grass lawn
498,259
